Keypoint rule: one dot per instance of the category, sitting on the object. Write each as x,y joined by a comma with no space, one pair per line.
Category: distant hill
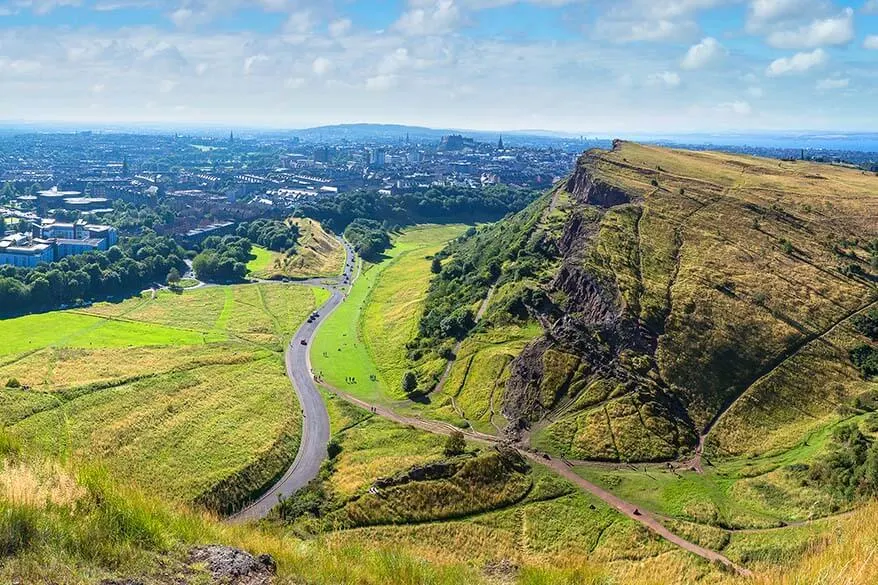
397,132
687,300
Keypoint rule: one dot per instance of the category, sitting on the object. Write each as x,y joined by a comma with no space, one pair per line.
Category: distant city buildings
50,240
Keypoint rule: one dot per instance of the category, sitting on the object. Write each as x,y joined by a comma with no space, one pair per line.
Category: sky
580,66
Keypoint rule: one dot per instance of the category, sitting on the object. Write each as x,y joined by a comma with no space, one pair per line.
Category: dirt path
635,514
559,467
481,312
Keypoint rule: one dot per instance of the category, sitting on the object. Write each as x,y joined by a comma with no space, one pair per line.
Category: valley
646,369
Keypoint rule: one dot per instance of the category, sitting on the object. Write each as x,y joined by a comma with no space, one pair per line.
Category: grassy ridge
317,254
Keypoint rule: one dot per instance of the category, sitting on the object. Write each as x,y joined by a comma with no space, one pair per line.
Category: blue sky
584,66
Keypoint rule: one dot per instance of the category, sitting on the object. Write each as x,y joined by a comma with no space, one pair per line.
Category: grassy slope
736,262
205,397
382,309
474,389
62,524
317,254
262,262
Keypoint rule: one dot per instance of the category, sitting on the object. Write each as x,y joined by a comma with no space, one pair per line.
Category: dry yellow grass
38,484
317,254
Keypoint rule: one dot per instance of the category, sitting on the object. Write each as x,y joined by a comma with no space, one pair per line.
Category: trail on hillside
792,352
315,436
456,349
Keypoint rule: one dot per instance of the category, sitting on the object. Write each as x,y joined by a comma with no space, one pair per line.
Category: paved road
315,422
315,437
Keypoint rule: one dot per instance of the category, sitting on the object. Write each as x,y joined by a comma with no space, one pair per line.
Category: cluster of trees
222,259
130,266
466,269
133,218
435,205
850,470
865,356
368,237
275,235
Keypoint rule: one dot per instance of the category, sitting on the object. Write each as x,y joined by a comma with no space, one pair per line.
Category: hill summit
686,300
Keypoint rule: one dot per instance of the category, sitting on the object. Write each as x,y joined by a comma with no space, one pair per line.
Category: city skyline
495,65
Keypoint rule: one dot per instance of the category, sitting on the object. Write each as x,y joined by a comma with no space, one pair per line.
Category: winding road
315,431
315,420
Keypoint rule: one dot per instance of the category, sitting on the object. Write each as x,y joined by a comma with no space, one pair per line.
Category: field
181,393
489,511
365,337
317,254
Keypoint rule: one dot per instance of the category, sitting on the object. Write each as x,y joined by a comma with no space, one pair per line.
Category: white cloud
798,63
740,108
833,31
628,31
762,15
704,53
251,62
871,42
98,88
321,66
167,86
870,7
755,92
665,78
340,27
428,17
381,82
294,82
183,17
299,23
833,83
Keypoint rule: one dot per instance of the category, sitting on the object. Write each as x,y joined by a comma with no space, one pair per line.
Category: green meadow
178,392
366,335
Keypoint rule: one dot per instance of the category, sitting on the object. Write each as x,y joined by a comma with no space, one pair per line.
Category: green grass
177,434
184,394
751,492
366,335
70,329
261,260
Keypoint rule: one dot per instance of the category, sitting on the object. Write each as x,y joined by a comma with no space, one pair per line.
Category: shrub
865,357
867,324
455,444
18,529
13,383
409,382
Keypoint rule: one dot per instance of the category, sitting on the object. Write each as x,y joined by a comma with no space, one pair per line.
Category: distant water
810,141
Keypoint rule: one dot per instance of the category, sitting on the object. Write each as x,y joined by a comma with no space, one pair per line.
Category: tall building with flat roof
51,240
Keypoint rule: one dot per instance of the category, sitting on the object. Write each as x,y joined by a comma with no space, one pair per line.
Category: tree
436,265
409,382
2,226
173,276
455,444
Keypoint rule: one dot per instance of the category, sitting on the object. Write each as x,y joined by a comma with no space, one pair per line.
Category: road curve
315,437
315,419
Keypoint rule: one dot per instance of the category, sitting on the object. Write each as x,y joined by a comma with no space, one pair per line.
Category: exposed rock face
587,189
231,566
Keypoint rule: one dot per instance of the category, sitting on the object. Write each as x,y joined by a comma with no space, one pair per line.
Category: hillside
679,294
317,253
